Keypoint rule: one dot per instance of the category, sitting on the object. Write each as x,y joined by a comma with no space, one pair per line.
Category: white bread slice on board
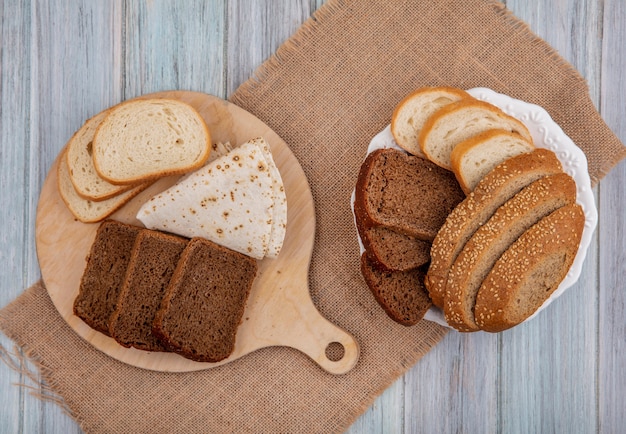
498,186
85,179
458,121
473,158
483,249
85,210
145,139
411,113
530,270
229,201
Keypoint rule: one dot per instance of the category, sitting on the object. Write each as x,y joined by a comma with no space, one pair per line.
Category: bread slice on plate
406,193
87,210
392,251
459,121
498,186
83,175
204,303
400,293
152,264
104,274
473,158
145,139
483,249
411,113
530,270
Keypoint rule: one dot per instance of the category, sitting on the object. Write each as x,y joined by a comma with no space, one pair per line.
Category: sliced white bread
498,186
530,270
473,158
411,113
144,139
459,121
85,210
483,249
83,175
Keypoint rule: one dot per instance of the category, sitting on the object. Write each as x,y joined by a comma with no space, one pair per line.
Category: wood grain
62,62
279,311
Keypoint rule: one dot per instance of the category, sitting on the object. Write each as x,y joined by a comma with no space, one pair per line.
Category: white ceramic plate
546,134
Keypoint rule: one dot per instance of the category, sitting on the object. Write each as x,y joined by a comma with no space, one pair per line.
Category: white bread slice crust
411,113
473,158
459,121
530,270
145,139
83,175
498,186
483,249
85,210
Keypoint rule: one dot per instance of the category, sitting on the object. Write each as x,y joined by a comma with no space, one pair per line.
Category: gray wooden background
63,61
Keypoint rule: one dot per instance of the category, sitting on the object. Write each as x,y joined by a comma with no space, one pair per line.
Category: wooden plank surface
64,61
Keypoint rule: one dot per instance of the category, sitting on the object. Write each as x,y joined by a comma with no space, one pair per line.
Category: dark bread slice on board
204,303
498,186
405,193
483,249
401,294
104,273
530,270
152,264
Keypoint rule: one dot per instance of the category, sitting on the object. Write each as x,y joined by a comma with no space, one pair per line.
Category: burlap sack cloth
326,92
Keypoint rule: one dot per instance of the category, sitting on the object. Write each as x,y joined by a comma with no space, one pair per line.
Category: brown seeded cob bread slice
152,264
530,270
104,273
459,121
204,303
411,113
498,186
483,249
401,294
405,193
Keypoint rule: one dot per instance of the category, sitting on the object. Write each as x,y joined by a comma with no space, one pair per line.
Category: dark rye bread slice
152,264
104,273
530,270
498,186
401,294
393,251
483,249
405,193
204,303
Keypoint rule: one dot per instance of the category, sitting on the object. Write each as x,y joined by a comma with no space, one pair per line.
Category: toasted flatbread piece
229,201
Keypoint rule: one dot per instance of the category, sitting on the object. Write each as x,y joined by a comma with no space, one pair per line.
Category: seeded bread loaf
87,183
411,113
400,293
144,139
473,158
498,186
152,263
459,121
530,270
483,249
87,210
104,274
405,193
204,303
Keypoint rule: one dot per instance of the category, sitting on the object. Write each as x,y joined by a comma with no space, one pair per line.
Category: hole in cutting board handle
335,351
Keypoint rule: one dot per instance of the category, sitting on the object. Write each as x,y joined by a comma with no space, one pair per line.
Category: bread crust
530,270
498,186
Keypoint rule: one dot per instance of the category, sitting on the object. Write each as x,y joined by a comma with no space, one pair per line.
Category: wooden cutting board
279,311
